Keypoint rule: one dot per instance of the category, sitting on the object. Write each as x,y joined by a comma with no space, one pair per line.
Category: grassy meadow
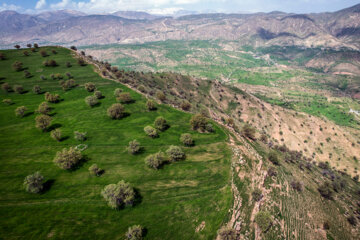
173,201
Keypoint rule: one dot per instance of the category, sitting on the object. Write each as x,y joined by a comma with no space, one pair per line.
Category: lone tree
17,46
198,122
116,111
155,160
90,87
227,233
187,139
134,147
161,96
56,134
17,66
185,105
161,124
43,108
95,170
68,158
91,101
150,105
151,132
175,153
20,111
119,195
43,122
248,132
125,97
135,232
34,183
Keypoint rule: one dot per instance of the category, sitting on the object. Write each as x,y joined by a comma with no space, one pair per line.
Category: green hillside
172,201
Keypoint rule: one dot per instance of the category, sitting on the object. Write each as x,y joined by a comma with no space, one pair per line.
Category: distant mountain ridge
335,30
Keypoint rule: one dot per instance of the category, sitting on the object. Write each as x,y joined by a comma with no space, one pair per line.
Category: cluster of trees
173,154
201,123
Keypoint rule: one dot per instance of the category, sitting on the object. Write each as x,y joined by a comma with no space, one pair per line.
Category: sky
171,6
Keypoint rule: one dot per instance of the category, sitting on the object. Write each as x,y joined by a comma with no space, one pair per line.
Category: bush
119,195
325,190
117,92
150,105
273,157
34,183
156,160
198,122
263,219
257,195
226,233
94,169
37,89
68,84
297,185
68,158
161,96
125,98
81,62
43,108
43,53
116,111
248,132
17,66
161,124
53,98
18,89
185,105
134,147
20,111
98,94
43,122
151,132
7,101
134,233
91,101
187,139
90,87
6,87
80,136
56,134
175,153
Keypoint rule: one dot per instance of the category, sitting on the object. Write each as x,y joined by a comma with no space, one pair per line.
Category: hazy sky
170,6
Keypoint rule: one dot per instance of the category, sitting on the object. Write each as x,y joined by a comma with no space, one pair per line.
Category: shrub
20,111
17,66
68,158
273,157
150,105
6,87
297,185
19,89
248,132
119,195
134,233
257,195
37,89
175,153
81,62
263,219
90,87
151,132
155,160
161,96
43,53
91,101
43,122
125,98
226,233
185,105
53,98
116,111
7,101
80,136
198,122
325,190
98,94
34,183
187,139
56,134
68,84
117,92
94,169
134,147
43,108
161,124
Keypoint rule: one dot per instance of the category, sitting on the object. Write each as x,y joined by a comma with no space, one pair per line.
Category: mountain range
339,29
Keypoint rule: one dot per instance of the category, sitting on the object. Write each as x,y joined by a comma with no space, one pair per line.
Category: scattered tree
150,105
297,185
26,53
263,219
19,89
43,53
161,96
6,87
91,101
125,97
20,111
155,160
116,111
68,84
187,139
257,195
68,158
68,64
42,77
161,124
81,62
34,183
98,94
273,157
142,88
17,46
226,233
73,48
90,87
198,122
27,74
135,232
119,195
134,147
325,190
43,108
37,89
80,136
175,153
151,132
53,98
29,45
209,128
50,63
117,92
43,122
54,51
248,132
2,56
36,45
7,101
17,66
352,220
95,170
56,134
185,105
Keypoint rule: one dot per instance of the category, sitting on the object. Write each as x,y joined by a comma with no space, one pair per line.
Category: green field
173,200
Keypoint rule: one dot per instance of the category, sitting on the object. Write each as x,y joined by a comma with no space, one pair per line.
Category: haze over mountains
338,29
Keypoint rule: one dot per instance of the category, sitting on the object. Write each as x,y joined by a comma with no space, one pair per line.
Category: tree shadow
82,161
64,138
47,185
28,114
138,197
96,105
52,114
54,126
